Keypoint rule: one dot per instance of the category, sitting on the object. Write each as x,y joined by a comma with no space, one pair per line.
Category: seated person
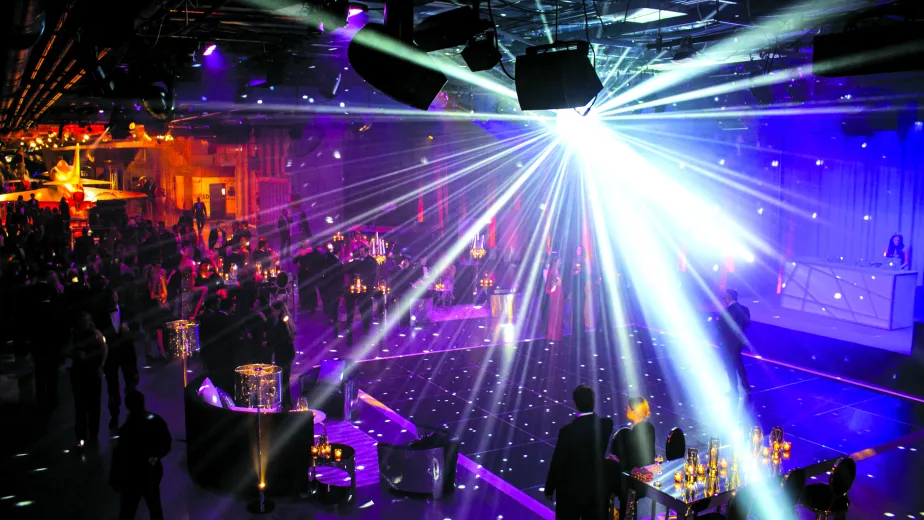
635,447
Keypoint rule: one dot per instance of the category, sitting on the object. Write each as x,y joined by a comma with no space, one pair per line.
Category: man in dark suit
331,287
137,470
309,263
113,321
732,341
577,475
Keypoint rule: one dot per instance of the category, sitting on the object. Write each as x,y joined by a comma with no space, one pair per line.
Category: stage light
721,162
685,52
814,215
865,217
387,58
819,162
209,49
556,76
481,52
158,95
863,145
760,211
259,101
336,154
449,29
775,163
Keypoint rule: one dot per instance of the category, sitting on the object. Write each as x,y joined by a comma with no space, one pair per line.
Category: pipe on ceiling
27,27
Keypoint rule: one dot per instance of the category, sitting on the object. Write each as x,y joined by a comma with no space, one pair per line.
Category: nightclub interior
462,259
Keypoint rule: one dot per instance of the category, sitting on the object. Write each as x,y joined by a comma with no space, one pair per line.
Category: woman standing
157,310
578,295
191,296
280,335
553,289
86,378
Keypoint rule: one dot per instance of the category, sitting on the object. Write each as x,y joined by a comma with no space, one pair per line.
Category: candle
787,446
678,476
776,446
765,452
701,469
337,454
314,450
723,464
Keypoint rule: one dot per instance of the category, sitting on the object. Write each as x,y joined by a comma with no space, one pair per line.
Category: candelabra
487,281
379,247
712,462
692,466
383,288
357,287
478,251
757,437
734,476
439,286
322,449
337,238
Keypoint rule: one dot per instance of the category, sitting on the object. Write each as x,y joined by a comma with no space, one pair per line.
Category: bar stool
831,498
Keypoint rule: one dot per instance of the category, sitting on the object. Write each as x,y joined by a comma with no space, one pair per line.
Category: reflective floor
507,404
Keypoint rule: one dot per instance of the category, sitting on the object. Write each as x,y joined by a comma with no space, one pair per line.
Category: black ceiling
49,77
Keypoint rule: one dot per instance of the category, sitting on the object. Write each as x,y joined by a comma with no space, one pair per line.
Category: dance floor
506,402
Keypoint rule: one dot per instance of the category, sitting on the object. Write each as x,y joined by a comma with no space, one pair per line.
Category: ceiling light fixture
685,52
481,52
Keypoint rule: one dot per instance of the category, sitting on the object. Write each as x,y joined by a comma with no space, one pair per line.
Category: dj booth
876,295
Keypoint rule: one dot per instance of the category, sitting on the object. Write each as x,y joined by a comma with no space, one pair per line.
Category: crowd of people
110,289
106,293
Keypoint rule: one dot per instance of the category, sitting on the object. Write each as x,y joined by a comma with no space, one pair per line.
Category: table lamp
259,386
183,340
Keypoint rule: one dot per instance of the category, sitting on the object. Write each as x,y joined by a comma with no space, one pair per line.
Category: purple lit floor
505,402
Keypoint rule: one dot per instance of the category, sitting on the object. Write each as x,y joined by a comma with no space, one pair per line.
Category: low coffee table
331,494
